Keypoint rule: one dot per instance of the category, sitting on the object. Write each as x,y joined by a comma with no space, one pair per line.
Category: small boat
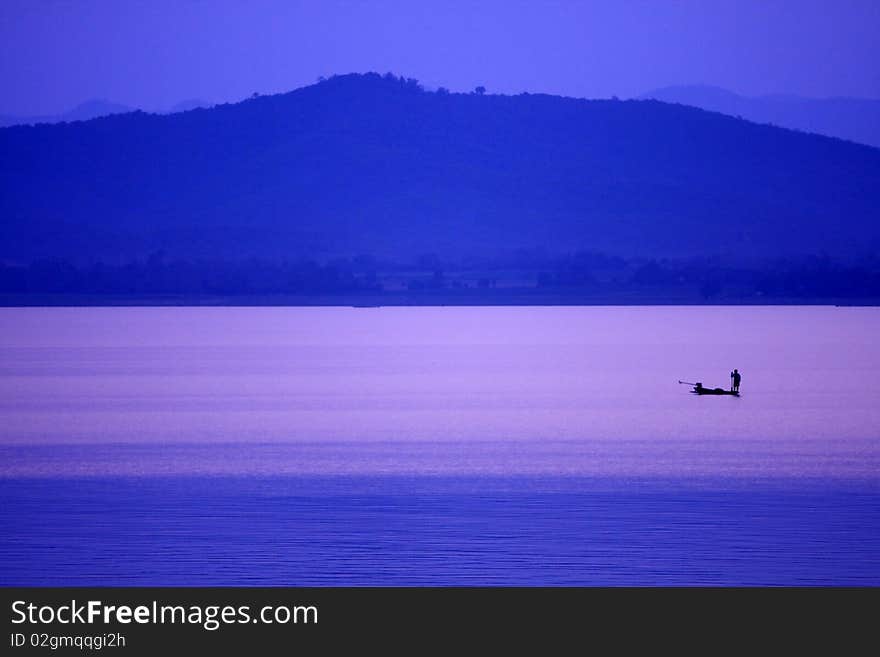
700,390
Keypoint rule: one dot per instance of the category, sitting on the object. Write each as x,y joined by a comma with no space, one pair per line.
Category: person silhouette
735,377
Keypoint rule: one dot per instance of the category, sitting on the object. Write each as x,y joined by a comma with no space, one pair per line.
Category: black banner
182,620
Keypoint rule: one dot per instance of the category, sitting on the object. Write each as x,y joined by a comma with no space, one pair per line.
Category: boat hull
714,391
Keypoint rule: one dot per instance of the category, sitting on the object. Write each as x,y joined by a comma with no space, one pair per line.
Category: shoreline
513,297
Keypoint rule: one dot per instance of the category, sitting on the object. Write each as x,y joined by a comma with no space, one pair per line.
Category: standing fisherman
735,378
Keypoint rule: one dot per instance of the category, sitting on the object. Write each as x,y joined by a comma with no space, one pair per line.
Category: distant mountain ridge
855,119
93,109
370,164
90,109
189,104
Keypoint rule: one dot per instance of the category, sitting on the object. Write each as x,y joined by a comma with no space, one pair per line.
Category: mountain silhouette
93,109
189,104
855,119
370,164
90,109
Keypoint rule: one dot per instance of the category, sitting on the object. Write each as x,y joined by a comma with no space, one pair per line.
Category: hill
855,119
369,164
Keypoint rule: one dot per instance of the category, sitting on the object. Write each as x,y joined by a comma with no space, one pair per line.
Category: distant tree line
158,276
706,280
812,277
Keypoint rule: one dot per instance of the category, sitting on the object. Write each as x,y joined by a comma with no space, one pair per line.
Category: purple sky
152,54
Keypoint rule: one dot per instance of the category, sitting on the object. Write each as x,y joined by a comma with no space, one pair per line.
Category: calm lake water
453,445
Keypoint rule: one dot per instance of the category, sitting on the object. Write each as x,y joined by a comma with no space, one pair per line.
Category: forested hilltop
377,165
